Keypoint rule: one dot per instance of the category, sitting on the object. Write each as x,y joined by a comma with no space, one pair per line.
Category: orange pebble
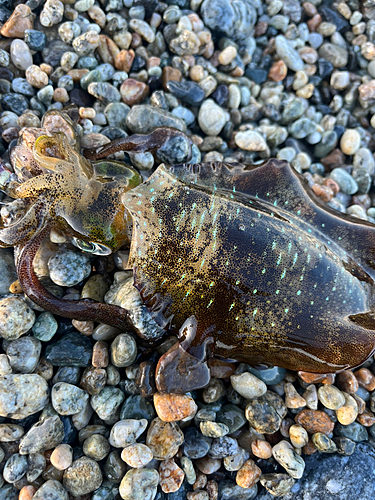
27,493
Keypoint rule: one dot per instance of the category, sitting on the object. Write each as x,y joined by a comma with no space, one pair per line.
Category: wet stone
84,476
126,432
345,181
331,397
15,468
37,464
72,350
20,20
323,443
123,350
138,484
248,475
164,439
62,456
171,476
51,490
276,483
354,431
196,445
68,399
137,407
44,435
285,455
314,421
16,318
188,92
69,268
45,327
136,455
223,447
211,118
265,414
334,54
270,376
144,118
248,385
213,429
106,403
22,395
114,468
133,92
174,407
174,151
228,490
23,354
96,447
289,55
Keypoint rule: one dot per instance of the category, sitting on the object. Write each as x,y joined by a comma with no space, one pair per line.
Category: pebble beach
245,80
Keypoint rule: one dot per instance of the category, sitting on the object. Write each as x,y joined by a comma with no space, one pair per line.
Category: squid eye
91,247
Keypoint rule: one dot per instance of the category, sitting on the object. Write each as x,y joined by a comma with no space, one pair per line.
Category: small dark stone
113,133
36,40
221,95
54,50
73,349
15,102
270,111
6,74
354,431
344,445
149,5
174,151
70,432
255,74
5,86
196,445
325,68
331,15
323,108
137,407
154,83
4,14
138,63
188,92
81,98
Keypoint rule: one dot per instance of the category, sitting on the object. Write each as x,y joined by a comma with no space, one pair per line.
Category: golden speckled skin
271,275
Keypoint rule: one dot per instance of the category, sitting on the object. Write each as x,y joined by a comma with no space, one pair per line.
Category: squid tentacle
81,310
23,229
134,143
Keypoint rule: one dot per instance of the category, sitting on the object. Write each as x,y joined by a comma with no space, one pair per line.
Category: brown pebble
315,378
367,91
16,287
27,492
47,68
200,482
261,449
309,8
314,22
208,465
220,368
285,426
124,60
333,186
100,356
278,71
309,448
315,421
360,403
107,50
170,74
335,158
77,74
62,456
346,381
136,40
20,20
164,439
260,29
171,476
84,327
366,379
133,92
292,398
248,475
367,418
61,95
212,489
324,192
174,407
